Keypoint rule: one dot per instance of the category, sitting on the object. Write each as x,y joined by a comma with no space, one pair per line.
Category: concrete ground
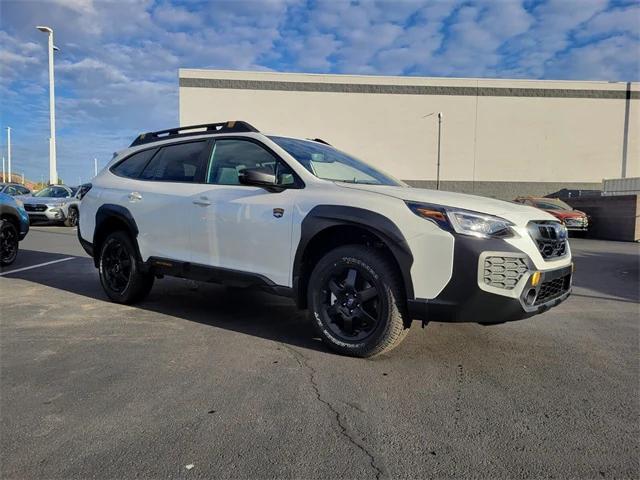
204,382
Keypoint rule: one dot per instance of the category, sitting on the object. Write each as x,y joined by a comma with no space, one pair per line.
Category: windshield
52,192
328,163
551,204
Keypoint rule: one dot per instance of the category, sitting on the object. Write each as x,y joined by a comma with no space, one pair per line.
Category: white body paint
234,227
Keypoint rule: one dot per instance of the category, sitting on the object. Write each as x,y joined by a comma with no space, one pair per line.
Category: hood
566,213
514,212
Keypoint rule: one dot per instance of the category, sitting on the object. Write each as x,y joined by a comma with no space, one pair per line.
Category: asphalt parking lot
200,381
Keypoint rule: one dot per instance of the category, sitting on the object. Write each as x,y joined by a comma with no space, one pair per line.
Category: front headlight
55,204
464,222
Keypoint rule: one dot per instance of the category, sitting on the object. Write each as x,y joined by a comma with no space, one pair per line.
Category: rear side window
132,167
183,162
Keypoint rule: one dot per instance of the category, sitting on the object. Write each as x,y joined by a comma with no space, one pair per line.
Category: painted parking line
37,266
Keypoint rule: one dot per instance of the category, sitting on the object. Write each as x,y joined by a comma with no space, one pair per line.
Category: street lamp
53,169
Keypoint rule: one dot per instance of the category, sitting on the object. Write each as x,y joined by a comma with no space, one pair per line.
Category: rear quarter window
131,167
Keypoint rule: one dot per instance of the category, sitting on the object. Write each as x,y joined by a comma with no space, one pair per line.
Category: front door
241,227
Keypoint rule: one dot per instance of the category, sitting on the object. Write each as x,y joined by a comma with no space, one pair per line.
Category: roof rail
231,126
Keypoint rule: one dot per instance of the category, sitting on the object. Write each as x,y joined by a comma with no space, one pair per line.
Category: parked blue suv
14,225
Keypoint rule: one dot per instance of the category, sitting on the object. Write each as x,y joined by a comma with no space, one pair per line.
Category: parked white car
49,204
365,253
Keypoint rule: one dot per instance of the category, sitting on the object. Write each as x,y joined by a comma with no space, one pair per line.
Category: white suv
362,251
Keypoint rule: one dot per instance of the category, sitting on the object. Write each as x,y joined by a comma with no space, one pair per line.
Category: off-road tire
139,283
392,324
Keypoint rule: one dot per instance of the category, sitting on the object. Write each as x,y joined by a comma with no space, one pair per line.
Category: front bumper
576,224
49,215
471,296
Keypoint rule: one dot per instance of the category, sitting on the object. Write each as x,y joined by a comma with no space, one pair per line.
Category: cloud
116,72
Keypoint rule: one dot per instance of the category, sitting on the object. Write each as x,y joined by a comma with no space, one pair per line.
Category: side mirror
256,177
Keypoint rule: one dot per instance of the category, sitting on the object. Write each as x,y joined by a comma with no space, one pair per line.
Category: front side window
328,163
183,162
53,192
230,156
23,190
132,166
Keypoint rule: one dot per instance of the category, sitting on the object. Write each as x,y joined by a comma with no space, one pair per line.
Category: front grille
38,217
503,272
35,208
550,238
574,221
553,289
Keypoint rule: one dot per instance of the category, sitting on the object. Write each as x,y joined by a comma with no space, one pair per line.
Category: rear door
159,197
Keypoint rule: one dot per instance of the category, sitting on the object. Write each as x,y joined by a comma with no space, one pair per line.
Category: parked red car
572,219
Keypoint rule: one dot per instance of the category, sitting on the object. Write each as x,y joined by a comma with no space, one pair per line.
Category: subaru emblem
278,212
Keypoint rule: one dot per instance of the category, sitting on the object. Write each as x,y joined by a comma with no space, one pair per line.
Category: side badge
278,212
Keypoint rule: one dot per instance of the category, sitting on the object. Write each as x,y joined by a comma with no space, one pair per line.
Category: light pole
95,167
439,136
53,169
9,152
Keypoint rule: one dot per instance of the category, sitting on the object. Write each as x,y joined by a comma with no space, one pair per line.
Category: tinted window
11,190
177,163
229,157
23,190
132,166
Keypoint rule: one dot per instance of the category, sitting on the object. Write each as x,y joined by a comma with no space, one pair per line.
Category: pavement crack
459,385
302,361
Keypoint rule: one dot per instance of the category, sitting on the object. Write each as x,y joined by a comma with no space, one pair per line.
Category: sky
117,68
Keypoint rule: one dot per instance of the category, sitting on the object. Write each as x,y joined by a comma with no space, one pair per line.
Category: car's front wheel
8,242
120,274
72,217
356,301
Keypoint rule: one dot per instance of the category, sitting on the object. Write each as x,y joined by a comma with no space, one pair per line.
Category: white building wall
499,137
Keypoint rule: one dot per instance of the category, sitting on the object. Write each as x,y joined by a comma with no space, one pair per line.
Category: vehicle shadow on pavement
607,273
247,311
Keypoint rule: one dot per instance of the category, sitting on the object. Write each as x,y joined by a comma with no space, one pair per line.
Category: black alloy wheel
355,299
116,265
120,273
351,303
8,243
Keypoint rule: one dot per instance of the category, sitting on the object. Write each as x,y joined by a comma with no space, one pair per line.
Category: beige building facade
499,138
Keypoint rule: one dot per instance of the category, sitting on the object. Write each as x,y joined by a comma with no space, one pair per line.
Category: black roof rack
319,140
231,126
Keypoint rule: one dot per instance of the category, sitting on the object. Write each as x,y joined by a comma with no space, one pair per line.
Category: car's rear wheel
8,242
72,217
356,301
120,274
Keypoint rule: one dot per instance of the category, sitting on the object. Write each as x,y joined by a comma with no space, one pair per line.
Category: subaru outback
363,252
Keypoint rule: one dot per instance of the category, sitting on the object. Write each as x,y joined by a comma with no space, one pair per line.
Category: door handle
202,201
135,196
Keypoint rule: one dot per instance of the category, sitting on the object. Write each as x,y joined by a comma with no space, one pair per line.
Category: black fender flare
322,217
104,214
